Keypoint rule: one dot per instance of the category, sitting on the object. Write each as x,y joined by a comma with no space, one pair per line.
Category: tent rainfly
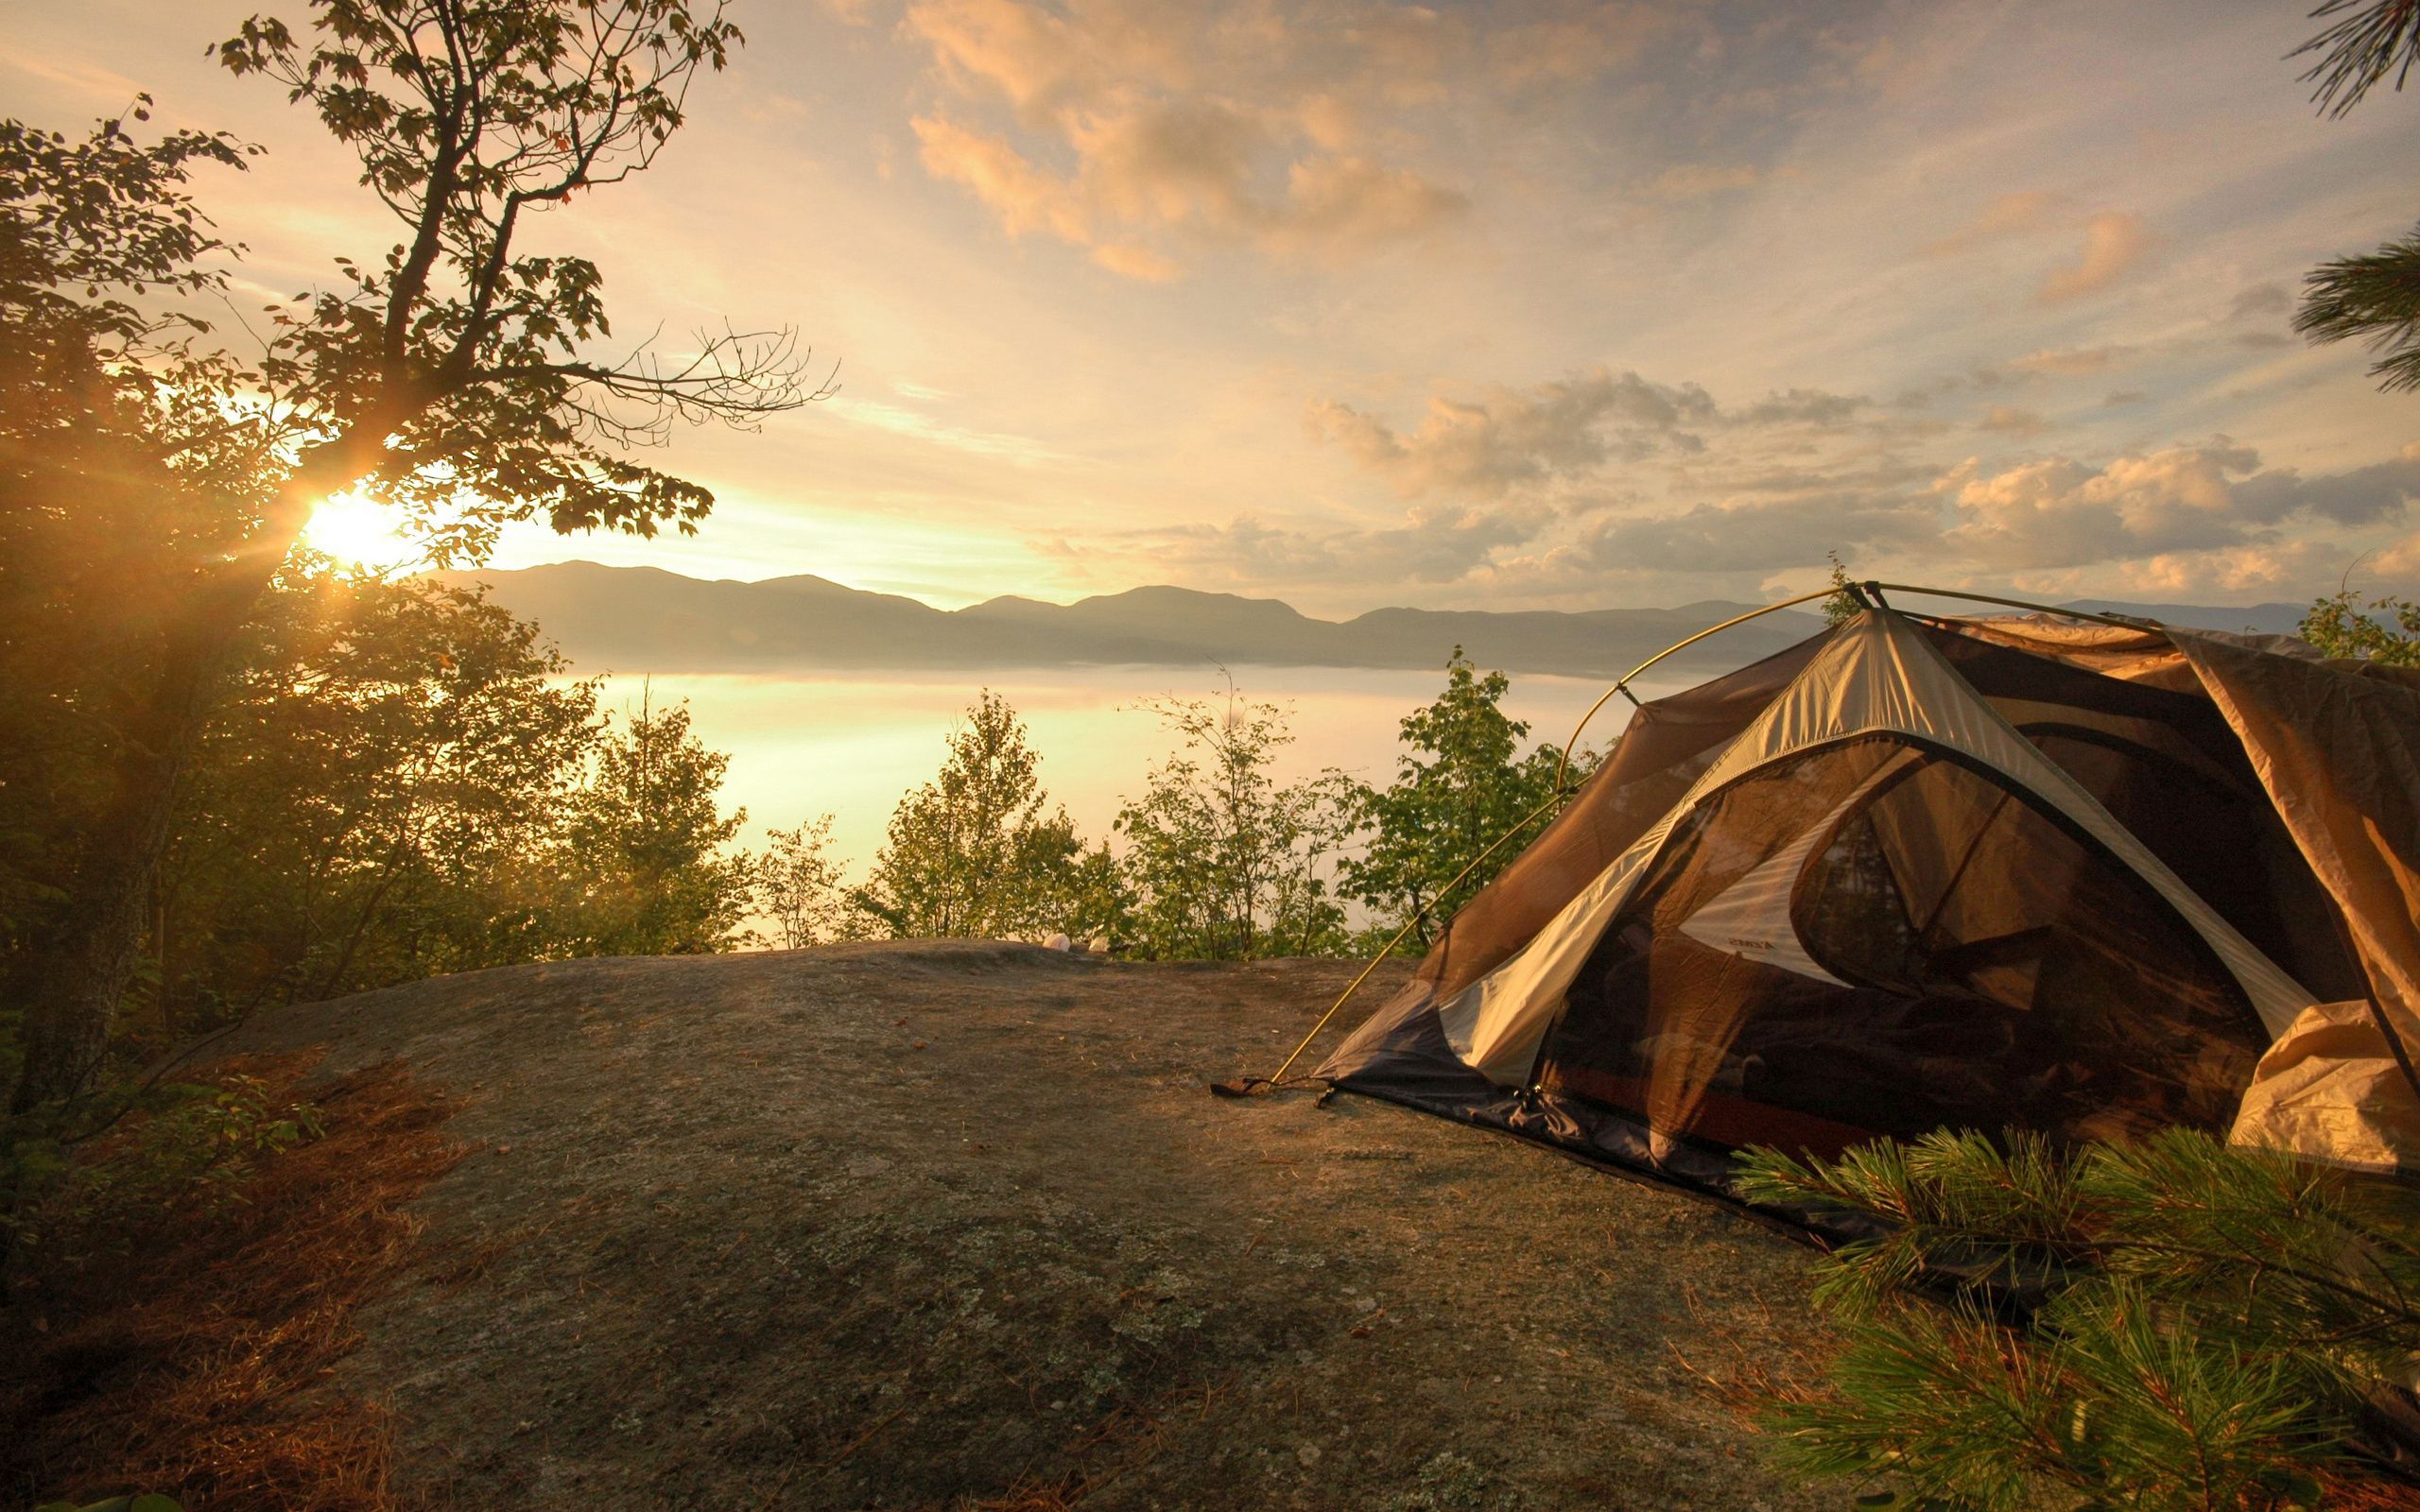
1916,873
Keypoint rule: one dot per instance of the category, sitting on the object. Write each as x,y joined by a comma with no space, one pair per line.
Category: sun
359,534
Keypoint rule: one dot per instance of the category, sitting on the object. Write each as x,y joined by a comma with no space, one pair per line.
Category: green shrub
176,1150
2173,1324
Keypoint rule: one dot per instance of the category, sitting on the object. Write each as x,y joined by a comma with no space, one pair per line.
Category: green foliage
453,376
640,855
139,1158
153,484
1100,901
2374,297
2374,39
369,804
1844,604
800,887
102,212
2385,630
1462,786
99,534
1224,861
977,852
2204,1321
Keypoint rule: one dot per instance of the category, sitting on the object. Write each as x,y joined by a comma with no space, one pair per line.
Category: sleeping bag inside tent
2085,879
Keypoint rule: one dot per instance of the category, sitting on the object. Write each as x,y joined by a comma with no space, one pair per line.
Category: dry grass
1125,1440
2350,1492
1749,1362
199,1364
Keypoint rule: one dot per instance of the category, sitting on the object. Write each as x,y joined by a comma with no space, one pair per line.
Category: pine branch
2374,297
2380,38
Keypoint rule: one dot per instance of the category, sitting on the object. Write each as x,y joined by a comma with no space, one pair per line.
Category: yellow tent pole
1622,686
2123,621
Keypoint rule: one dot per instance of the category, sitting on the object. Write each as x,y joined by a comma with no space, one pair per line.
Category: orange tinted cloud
2114,242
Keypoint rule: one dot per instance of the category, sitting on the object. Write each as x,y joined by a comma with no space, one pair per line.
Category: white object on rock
1100,945
1058,942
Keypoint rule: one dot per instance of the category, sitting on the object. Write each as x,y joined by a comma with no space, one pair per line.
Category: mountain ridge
637,619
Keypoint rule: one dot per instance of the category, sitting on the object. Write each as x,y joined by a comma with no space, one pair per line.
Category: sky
1542,304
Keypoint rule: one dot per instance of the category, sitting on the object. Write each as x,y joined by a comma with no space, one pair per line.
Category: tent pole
2122,621
1622,687
1562,767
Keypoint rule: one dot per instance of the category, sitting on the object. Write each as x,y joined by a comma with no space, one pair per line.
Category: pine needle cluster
2170,1325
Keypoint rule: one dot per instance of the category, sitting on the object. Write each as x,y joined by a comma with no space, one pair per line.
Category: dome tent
2090,879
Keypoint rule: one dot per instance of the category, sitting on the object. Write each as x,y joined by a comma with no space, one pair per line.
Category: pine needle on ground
199,1363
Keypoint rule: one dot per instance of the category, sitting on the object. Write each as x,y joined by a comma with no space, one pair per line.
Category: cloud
2176,523
856,409
2008,215
1138,263
2071,363
1764,535
2366,495
2010,420
1883,473
1341,207
1442,544
74,75
1021,195
1026,53
2061,512
2261,301
2400,562
2114,242
1280,158
1503,438
2124,397
1812,407
2268,568
1567,431
1571,44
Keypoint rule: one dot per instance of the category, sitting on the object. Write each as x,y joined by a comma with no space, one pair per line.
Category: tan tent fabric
2338,751
2332,1091
1668,742
2145,655
1877,673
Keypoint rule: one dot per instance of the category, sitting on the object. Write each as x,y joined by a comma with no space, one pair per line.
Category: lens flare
359,534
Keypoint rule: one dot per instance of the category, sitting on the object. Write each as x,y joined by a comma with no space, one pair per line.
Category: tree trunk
90,959
92,955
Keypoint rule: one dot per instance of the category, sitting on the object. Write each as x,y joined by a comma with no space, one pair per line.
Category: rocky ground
958,1225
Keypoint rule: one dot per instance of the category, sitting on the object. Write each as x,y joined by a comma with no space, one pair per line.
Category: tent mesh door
1874,937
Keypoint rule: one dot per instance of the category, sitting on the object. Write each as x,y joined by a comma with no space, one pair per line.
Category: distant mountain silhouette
2273,619
642,619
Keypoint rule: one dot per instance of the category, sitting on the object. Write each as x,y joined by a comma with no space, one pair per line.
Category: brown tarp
2338,747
